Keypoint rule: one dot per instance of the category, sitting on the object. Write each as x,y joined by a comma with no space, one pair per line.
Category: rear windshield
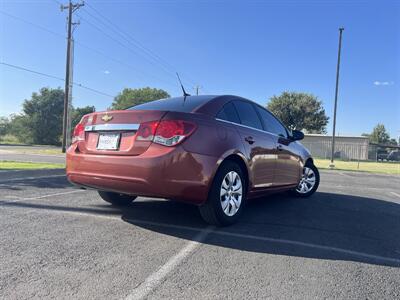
179,104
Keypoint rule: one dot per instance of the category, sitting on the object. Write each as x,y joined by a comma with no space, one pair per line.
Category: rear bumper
160,172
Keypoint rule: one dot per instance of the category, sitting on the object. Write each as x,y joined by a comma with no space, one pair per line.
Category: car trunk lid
114,132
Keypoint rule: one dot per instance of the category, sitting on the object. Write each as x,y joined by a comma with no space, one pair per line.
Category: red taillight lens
79,133
146,131
167,132
172,132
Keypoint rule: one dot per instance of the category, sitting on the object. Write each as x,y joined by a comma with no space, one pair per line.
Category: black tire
116,198
212,211
296,193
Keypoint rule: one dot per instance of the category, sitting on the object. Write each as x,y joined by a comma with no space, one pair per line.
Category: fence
343,150
378,152
350,148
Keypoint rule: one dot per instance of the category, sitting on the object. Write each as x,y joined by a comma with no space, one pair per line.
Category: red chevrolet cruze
212,151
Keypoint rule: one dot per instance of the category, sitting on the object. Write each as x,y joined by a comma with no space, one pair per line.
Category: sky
254,49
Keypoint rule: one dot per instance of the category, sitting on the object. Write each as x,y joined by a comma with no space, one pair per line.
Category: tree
299,111
4,126
41,119
79,112
43,115
130,97
20,128
379,135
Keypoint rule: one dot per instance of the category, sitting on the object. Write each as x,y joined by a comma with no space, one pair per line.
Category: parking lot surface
61,242
11,154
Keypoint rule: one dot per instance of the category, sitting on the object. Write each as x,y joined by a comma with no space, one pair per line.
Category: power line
31,71
111,58
165,64
122,45
126,65
112,38
56,77
33,24
124,35
115,40
127,37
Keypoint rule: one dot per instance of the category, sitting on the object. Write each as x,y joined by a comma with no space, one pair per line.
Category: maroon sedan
212,151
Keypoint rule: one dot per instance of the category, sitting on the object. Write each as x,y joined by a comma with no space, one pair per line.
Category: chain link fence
350,149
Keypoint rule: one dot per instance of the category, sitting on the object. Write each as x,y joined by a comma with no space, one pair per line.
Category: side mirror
297,135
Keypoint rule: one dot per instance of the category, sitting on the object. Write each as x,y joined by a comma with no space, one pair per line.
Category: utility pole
197,88
71,9
332,165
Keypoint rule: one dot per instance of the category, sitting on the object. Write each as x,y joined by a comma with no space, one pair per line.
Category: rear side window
271,124
229,113
247,114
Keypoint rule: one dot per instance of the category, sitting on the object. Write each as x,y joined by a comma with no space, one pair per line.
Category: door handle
279,147
249,139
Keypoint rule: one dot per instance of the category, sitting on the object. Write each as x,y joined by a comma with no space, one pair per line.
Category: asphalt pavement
61,242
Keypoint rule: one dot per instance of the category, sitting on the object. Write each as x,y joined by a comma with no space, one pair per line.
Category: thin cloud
106,72
377,82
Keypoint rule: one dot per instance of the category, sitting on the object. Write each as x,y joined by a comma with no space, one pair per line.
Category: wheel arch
239,159
309,161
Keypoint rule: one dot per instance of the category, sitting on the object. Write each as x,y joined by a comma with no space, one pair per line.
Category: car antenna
183,89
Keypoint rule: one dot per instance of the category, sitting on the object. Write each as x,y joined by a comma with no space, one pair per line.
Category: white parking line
345,174
11,171
155,279
51,195
379,258
280,241
76,213
41,197
314,246
393,193
30,178
353,187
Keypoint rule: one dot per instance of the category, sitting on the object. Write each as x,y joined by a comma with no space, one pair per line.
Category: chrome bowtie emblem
106,118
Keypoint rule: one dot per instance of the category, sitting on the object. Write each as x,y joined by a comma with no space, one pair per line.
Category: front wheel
227,196
116,198
309,181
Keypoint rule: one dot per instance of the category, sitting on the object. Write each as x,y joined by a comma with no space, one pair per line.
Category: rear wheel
227,196
309,181
116,198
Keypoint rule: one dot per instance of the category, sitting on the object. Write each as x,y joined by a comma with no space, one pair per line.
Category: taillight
146,131
167,132
79,133
172,132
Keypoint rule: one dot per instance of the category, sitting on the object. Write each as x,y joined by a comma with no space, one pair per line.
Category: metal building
346,147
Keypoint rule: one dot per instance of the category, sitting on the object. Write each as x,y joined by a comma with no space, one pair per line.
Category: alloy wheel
231,193
307,181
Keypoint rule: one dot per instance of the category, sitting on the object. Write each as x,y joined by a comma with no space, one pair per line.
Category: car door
288,164
259,145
